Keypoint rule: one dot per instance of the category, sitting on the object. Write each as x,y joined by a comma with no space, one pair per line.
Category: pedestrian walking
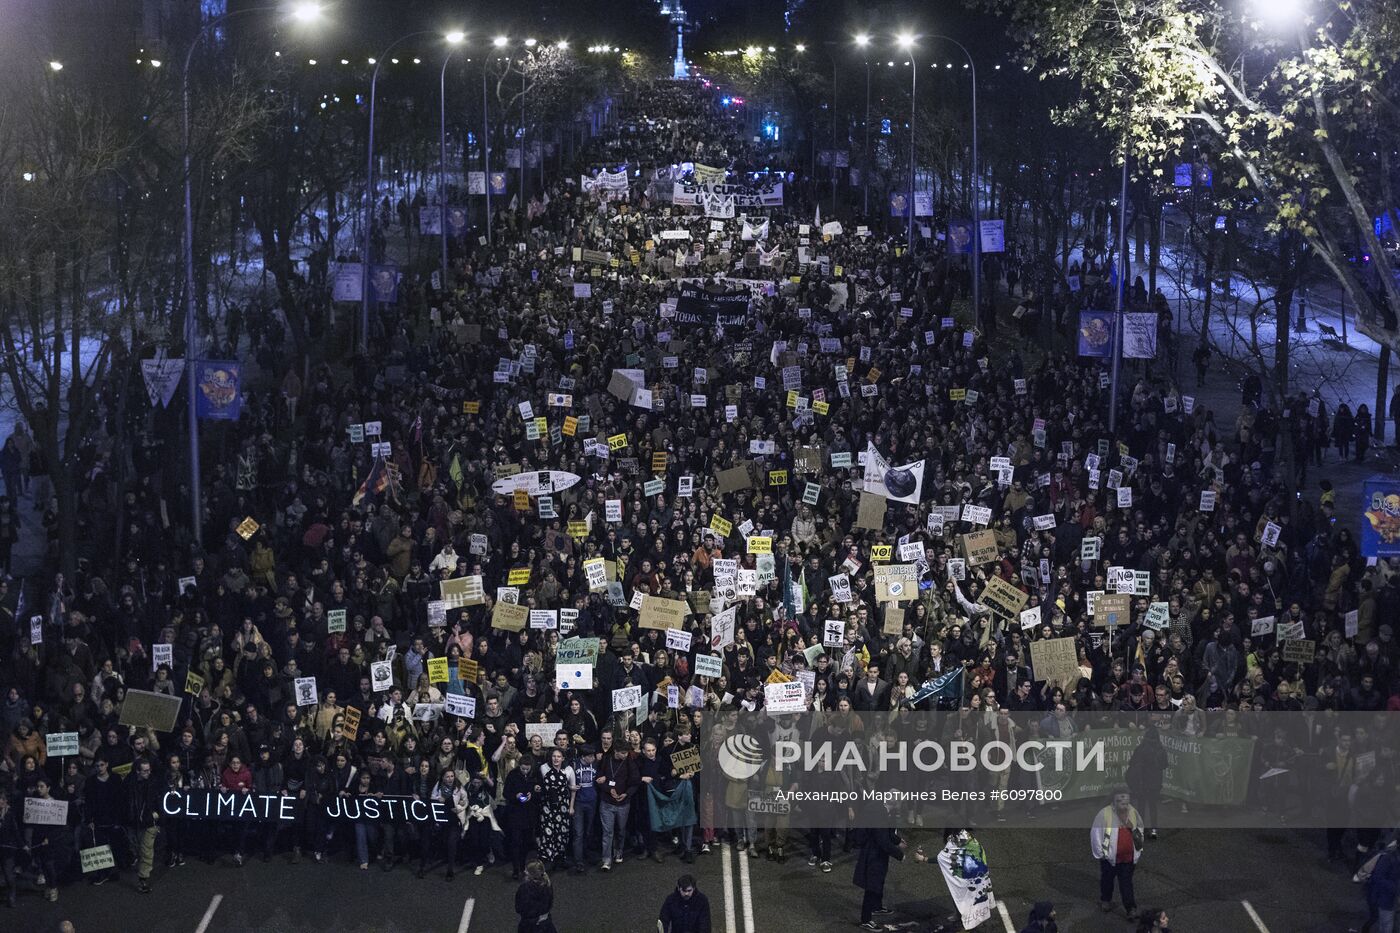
1361,431
878,844
534,899
685,910
1116,843
1343,426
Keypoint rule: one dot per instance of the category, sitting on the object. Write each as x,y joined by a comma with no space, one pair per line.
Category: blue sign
1096,333
959,236
899,204
498,182
1184,175
1380,517
218,385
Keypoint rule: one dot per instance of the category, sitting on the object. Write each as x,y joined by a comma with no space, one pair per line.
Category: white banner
346,283
718,205
476,182
1139,336
752,232
162,378
759,194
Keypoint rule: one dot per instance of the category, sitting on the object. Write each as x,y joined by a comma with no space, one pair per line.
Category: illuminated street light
454,37
55,66
801,47
1281,14
306,12
862,40
500,42
531,43
156,63
905,40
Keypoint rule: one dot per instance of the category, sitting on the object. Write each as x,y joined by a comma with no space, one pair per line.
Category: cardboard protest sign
1055,659
894,620
1005,598
734,479
660,613
870,514
896,582
1112,609
146,710
686,759
788,697
437,671
350,729
509,617
462,591
1299,651
980,547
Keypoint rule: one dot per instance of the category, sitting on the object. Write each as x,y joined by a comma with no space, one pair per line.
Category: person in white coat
1116,842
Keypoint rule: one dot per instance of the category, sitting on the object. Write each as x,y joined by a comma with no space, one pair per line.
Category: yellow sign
437,670
617,442
247,528
792,398
759,544
471,408
649,245
721,526
777,477
193,683
821,408
542,425
522,500
469,671
659,461
883,552
957,395
570,425
578,529
873,376
778,677
350,728
519,576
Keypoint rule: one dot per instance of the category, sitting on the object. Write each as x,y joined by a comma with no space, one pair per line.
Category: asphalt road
1204,879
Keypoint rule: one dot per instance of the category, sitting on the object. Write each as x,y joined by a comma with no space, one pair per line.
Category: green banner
1205,770
577,651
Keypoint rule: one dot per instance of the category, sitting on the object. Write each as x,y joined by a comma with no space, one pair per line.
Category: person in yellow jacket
1116,842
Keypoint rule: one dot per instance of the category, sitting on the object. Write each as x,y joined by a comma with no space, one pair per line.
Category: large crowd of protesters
882,353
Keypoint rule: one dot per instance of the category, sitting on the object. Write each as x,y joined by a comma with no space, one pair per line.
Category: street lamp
454,40
369,190
906,42
862,40
304,13
55,65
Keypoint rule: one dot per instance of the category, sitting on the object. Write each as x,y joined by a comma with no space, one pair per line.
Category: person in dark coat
1042,919
1145,772
1382,888
686,909
877,846
533,901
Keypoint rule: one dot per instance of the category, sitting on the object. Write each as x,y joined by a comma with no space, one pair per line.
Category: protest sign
381,675
1004,597
437,671
1055,659
61,744
457,704
146,710
626,698
41,811
980,547
660,613
96,858
708,665
508,617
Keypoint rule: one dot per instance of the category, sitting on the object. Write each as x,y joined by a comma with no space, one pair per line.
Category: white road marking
746,892
1254,915
1005,917
208,917
724,855
467,909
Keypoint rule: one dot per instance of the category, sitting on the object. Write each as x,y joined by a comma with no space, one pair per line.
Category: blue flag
944,685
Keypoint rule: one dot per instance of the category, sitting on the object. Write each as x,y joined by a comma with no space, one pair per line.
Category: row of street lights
308,12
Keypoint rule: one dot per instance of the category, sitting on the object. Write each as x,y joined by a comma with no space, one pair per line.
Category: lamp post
1122,289
304,12
976,190
453,39
369,191
906,42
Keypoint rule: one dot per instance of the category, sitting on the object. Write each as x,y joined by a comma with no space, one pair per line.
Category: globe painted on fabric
900,482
